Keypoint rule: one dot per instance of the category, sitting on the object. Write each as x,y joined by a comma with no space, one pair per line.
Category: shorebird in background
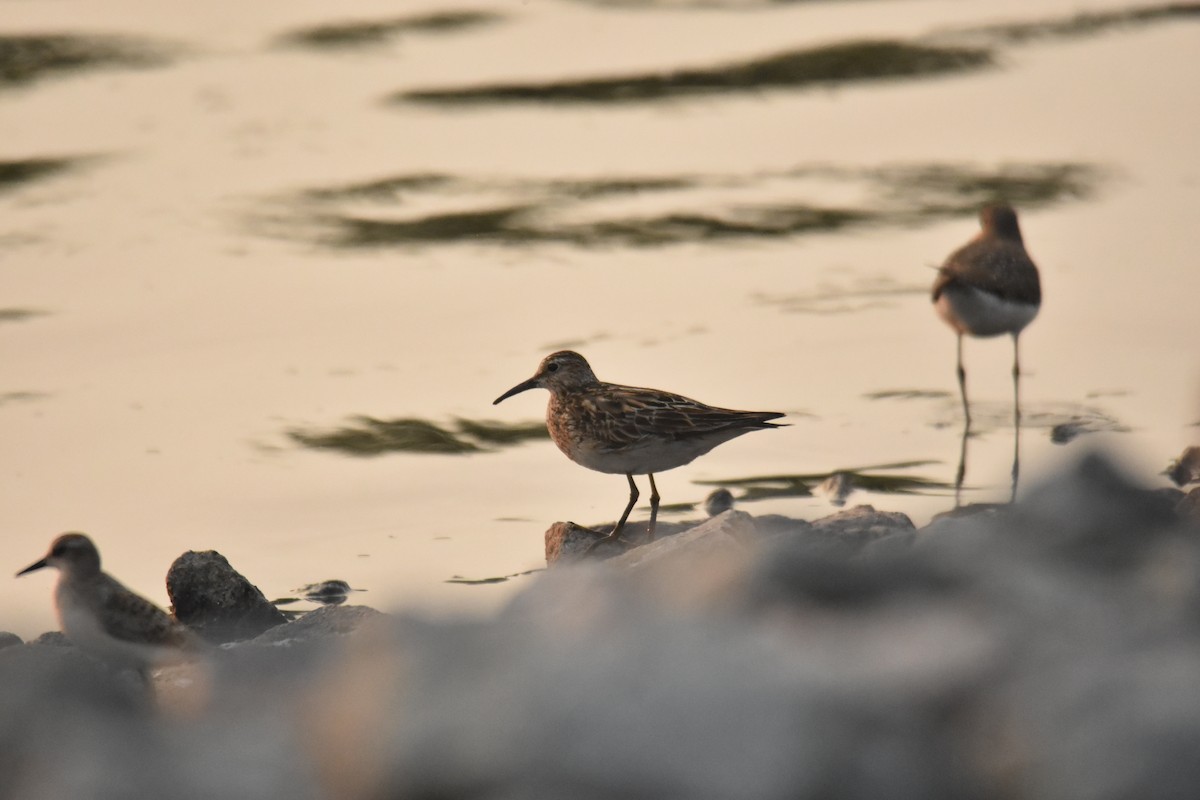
989,287
628,430
106,620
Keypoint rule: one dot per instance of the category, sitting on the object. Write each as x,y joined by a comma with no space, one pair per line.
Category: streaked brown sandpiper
629,430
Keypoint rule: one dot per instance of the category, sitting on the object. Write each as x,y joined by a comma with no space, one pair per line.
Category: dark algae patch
759,222
585,189
345,35
495,224
492,580
938,190
19,314
1088,23
368,436
835,64
382,189
27,57
519,225
19,172
908,394
532,211
831,65
501,433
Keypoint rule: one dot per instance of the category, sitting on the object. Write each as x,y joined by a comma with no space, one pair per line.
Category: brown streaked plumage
629,430
989,287
105,619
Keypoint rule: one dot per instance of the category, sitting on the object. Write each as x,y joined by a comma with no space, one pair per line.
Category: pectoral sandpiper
103,618
988,287
629,430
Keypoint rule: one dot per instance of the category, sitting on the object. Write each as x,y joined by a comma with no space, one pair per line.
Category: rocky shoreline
1045,649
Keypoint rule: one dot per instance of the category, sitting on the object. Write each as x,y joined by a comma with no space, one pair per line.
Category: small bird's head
561,371
70,552
1000,220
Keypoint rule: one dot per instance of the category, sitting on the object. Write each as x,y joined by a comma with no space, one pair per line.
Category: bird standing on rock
629,430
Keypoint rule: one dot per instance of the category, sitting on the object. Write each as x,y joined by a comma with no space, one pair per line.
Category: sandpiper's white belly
979,313
654,456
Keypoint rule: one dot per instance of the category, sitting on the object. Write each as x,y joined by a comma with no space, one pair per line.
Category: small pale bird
988,287
627,430
103,618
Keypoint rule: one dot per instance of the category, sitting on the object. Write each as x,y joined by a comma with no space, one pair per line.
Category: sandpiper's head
71,552
1000,220
561,371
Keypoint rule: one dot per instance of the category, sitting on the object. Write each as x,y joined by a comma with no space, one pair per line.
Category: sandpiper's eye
552,367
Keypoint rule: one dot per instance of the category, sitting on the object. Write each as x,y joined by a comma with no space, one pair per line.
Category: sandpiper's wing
628,415
996,266
132,618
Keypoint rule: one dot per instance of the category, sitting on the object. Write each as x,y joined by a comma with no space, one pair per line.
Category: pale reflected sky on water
193,307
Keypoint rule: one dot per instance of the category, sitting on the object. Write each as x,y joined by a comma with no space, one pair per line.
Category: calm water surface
227,226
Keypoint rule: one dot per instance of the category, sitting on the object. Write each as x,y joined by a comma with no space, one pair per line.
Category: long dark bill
33,567
532,383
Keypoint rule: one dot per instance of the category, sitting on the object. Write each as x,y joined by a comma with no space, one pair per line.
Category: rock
566,542
1189,506
71,727
569,542
53,639
9,639
705,561
972,509
326,622
721,535
863,524
1186,468
1048,649
212,598
1095,513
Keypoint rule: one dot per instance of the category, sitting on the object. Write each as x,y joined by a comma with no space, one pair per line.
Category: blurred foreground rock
1046,650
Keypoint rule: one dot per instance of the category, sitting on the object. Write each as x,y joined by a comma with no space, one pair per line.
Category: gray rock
1046,650
53,639
1186,468
324,623
726,534
212,598
70,727
1189,506
567,542
863,524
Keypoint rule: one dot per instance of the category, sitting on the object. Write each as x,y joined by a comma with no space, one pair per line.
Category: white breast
979,313
653,457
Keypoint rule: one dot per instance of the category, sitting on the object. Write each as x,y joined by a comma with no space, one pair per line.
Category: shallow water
229,232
